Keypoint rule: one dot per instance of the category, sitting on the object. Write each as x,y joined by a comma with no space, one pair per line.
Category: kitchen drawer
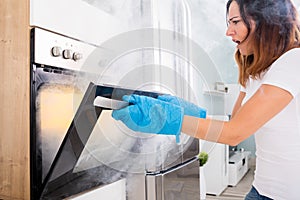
113,191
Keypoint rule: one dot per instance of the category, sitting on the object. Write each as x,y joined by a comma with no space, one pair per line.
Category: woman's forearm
210,130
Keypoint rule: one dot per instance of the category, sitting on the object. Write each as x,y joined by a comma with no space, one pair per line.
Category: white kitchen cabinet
75,18
216,168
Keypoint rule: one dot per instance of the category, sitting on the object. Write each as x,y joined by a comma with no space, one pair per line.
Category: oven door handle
112,104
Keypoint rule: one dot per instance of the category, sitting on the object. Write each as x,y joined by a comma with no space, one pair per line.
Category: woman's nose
230,31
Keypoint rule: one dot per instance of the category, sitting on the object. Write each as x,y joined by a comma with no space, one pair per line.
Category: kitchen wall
208,22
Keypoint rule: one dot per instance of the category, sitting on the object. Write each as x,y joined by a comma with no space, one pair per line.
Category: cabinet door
14,101
91,21
216,169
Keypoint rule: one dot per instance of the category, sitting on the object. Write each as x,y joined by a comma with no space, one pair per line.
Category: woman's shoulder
291,52
290,56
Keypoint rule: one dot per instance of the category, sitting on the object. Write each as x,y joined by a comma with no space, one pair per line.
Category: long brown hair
277,30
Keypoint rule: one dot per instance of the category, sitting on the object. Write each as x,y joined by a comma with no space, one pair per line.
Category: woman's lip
237,42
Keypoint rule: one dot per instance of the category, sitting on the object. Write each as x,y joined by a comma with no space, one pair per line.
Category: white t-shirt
277,173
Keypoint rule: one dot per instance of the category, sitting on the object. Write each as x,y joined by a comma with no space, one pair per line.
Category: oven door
77,146
54,101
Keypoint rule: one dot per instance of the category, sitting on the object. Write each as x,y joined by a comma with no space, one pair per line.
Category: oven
76,146
142,47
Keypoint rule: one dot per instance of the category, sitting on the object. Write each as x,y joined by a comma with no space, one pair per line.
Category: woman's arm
260,108
238,103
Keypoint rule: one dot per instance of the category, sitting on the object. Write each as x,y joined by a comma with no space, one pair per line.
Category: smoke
113,144
109,6
155,59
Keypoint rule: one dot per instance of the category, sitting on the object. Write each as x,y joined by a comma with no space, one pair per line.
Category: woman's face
237,29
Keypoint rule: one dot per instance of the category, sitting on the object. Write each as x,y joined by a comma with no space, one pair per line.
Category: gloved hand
150,115
189,108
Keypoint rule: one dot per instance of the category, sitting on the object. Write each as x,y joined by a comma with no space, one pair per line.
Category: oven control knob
56,51
77,56
67,54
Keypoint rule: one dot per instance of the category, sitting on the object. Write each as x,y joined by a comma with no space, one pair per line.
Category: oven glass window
56,106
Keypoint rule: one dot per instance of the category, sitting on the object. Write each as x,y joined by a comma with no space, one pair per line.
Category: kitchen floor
239,191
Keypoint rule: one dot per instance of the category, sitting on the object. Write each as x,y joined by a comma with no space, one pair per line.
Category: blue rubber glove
150,115
189,108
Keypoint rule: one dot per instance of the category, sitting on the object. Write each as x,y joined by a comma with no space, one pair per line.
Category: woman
268,55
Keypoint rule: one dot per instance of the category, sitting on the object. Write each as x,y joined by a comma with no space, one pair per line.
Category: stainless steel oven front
55,64
77,146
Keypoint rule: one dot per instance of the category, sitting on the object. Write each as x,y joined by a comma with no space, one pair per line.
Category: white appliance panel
115,191
74,18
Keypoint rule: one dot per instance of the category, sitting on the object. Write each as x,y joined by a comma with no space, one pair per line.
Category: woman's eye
236,21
